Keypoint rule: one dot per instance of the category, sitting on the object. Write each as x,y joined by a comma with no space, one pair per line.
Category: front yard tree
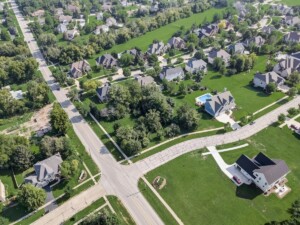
126,59
271,87
21,158
281,118
217,63
69,168
187,118
292,92
294,78
126,72
31,197
59,119
91,85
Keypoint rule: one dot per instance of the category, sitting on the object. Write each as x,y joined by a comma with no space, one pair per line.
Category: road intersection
117,179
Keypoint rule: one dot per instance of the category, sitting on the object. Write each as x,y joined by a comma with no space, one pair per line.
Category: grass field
291,2
209,197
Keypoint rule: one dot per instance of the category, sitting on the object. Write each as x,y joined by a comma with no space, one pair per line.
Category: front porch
280,189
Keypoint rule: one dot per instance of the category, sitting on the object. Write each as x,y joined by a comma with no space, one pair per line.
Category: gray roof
107,60
197,64
176,42
268,29
48,166
145,80
270,77
236,48
220,102
291,63
79,67
62,28
156,48
104,90
219,53
273,169
292,36
172,73
258,41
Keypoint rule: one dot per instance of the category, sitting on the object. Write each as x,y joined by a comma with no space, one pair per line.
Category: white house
262,80
264,172
288,65
219,54
172,73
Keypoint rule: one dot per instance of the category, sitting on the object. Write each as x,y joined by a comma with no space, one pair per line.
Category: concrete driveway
49,198
226,118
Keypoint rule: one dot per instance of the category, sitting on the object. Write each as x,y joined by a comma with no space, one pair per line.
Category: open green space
248,99
32,218
121,212
203,191
290,2
298,119
14,122
14,213
85,212
6,177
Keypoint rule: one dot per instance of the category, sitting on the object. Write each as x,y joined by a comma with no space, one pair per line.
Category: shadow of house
249,192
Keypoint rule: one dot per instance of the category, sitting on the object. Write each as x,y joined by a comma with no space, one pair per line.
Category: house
219,104
219,54
144,81
73,9
99,16
2,192
291,20
38,13
257,41
41,20
207,31
154,8
65,19
177,42
46,171
18,95
237,48
292,37
79,68
101,29
283,9
107,60
103,92
241,8
62,28
71,34
58,12
262,80
264,172
157,48
1,6
111,22
135,53
268,29
172,73
285,67
195,65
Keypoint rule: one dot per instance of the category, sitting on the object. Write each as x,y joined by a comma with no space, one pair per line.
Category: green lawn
32,218
122,213
247,98
83,213
298,119
290,2
210,197
14,122
165,32
6,178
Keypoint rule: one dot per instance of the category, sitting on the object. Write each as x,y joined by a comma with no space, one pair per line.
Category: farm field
191,177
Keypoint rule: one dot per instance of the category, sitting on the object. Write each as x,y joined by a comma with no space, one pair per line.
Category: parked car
236,179
252,122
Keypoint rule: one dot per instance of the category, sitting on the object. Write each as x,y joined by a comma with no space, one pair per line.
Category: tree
31,197
217,63
172,130
292,92
91,85
38,93
21,158
187,117
52,145
73,94
153,121
281,118
69,168
182,89
227,127
59,119
271,87
126,72
244,120
294,78
126,60
293,111
4,35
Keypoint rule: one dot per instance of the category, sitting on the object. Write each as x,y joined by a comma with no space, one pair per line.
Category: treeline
155,115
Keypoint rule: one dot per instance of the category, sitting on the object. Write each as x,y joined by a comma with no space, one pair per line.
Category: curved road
121,180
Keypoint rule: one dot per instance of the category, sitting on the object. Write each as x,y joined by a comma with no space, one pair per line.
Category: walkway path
227,149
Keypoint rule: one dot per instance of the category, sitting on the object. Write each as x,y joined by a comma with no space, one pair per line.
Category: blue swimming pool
202,99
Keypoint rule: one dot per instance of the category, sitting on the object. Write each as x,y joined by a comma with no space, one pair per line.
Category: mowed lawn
199,193
248,99
291,2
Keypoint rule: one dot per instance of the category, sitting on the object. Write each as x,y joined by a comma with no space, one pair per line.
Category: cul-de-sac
150,112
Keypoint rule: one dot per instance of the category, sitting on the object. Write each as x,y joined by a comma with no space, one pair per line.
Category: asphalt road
114,179
121,180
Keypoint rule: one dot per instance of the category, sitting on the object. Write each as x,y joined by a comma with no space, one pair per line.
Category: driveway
226,118
49,198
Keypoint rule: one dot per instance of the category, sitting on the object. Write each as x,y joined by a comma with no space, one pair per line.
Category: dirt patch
38,123
159,182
